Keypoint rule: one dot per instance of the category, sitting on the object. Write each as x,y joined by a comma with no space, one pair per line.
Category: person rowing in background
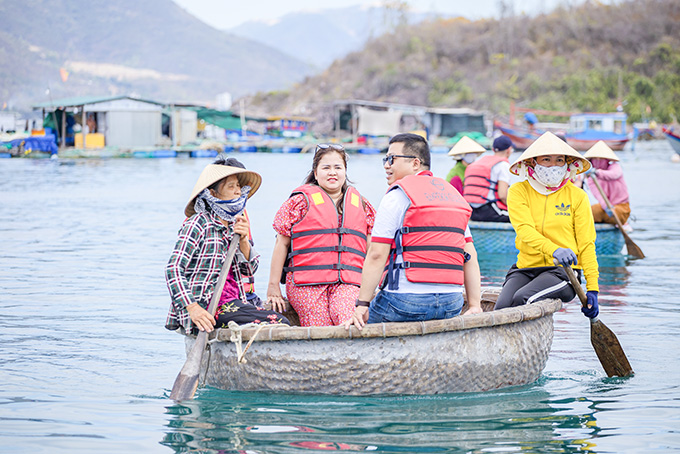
608,171
553,221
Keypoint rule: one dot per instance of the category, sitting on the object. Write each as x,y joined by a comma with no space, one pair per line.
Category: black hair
320,153
415,145
223,160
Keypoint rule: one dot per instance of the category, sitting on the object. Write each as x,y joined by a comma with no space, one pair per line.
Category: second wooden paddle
631,247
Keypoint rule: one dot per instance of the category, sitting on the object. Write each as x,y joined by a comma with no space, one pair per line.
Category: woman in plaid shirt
215,213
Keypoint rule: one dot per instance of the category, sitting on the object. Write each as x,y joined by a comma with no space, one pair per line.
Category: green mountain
586,58
151,48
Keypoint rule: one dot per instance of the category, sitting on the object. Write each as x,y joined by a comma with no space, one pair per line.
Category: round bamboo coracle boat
468,353
499,238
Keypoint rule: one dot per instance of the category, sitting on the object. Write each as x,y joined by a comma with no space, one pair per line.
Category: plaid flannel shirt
194,266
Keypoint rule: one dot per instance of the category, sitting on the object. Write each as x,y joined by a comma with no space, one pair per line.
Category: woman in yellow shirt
553,220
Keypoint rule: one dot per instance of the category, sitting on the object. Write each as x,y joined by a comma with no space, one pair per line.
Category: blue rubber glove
565,256
594,309
609,212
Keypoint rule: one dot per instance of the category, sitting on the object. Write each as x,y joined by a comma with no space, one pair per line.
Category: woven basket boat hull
499,238
468,353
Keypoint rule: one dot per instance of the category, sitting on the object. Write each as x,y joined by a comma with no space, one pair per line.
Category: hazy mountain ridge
319,37
585,58
38,37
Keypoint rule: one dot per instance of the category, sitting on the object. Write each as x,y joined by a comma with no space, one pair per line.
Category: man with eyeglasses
421,252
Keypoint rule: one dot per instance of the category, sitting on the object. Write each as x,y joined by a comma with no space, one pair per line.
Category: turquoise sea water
86,365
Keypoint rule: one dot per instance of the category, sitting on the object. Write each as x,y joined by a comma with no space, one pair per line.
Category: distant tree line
592,57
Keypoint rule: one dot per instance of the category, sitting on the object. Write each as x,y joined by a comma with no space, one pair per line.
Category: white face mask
469,158
550,176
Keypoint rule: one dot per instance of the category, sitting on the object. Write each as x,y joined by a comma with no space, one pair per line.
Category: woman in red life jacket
322,234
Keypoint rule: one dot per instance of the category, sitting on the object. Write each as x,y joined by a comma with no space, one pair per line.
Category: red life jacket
322,251
432,236
477,182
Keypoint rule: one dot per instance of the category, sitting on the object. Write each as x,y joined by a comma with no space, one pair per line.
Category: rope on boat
207,367
208,346
237,337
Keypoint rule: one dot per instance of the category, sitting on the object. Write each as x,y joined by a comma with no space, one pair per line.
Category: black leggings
527,285
489,213
243,313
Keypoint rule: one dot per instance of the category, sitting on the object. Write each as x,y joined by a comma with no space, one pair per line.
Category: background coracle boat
468,353
673,138
499,238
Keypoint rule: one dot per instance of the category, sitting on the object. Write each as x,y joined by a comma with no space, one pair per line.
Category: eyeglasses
326,146
390,159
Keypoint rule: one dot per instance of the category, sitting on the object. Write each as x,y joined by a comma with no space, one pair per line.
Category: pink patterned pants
321,305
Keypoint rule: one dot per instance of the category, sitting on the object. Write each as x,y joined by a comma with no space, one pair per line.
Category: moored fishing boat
521,139
468,353
499,238
584,131
673,138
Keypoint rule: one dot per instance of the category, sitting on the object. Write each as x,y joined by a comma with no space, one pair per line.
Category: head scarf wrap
224,209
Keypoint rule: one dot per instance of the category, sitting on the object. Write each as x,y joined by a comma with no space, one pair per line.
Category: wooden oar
631,247
604,341
187,380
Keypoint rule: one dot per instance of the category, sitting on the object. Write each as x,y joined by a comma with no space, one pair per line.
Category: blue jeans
414,307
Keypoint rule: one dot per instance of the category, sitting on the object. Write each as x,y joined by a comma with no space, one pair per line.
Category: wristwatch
362,303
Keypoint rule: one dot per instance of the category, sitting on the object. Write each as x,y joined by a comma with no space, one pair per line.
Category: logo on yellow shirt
563,210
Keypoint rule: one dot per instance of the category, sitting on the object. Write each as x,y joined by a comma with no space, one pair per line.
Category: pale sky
223,14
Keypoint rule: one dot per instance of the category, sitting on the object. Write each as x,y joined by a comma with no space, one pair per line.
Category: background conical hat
466,145
550,144
601,150
215,172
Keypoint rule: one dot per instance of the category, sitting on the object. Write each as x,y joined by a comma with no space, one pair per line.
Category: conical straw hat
550,144
601,150
215,172
466,145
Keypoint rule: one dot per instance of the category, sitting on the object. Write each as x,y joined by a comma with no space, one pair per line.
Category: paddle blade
186,382
609,351
184,387
632,248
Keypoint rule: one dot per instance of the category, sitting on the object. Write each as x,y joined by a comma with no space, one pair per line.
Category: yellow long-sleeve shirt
543,224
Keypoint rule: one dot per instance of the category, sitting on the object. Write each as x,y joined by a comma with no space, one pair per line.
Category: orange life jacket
477,182
432,236
322,250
